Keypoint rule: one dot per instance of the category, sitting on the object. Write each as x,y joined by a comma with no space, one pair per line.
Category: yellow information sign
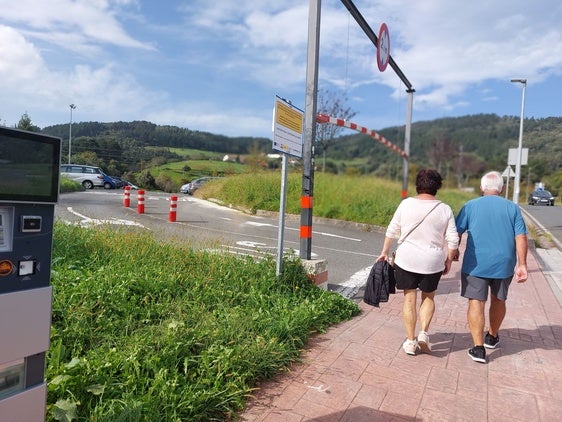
287,128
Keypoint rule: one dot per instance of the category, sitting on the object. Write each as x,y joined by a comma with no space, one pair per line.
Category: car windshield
544,193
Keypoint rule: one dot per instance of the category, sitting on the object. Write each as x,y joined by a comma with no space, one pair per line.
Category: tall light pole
520,147
72,107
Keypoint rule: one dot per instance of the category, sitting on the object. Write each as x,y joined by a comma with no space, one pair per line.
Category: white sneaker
423,342
410,346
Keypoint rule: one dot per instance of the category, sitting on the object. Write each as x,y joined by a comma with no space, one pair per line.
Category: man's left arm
521,251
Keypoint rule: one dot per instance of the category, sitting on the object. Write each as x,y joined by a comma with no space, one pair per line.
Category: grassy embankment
362,199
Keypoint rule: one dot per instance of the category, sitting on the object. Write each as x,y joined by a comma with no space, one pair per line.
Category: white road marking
88,221
350,287
253,223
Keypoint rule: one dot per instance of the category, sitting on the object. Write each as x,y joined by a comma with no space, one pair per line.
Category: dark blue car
109,182
541,196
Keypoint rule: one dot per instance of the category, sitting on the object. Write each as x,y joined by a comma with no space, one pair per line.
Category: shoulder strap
419,222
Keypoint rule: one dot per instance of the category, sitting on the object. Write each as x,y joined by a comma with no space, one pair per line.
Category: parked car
110,183
120,183
88,176
541,196
195,184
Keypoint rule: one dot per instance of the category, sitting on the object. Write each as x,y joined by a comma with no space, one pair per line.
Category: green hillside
461,148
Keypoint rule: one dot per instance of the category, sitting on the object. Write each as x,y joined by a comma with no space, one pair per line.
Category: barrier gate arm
324,118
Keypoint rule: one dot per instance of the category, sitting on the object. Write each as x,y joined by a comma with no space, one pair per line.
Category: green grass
67,185
363,199
145,331
197,168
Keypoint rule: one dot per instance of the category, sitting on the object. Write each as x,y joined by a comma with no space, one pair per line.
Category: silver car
195,184
88,176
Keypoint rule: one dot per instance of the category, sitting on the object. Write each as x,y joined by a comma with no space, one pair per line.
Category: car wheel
87,184
107,185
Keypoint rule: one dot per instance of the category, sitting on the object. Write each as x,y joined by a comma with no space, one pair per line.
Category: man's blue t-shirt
492,223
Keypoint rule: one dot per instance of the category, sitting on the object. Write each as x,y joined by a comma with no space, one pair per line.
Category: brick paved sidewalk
357,371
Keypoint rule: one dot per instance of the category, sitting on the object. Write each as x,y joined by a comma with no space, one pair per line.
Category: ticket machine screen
29,166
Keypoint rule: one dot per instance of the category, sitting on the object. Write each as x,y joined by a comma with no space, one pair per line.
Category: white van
88,176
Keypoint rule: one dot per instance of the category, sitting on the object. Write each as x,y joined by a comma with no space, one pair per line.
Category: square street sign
512,157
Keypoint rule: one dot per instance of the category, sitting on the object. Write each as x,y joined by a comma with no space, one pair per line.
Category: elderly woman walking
427,244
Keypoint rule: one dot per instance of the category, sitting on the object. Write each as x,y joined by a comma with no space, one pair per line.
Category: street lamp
519,148
72,107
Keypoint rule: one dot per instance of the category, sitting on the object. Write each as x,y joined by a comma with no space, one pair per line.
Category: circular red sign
6,267
383,48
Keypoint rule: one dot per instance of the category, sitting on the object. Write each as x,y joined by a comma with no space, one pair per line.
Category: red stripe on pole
306,232
306,201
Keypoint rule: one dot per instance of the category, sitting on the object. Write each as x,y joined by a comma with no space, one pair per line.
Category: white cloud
64,20
100,55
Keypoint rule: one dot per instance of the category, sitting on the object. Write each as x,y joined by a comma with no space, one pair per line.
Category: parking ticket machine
29,186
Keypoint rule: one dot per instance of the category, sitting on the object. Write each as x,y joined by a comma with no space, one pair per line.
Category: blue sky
217,65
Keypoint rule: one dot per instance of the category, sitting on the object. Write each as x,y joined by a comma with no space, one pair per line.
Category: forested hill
464,145
150,134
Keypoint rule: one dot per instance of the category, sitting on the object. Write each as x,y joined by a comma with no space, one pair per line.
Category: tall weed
145,331
362,199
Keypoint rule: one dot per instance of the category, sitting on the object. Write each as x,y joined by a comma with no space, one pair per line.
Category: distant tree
469,165
334,105
442,153
88,158
165,183
256,157
26,124
146,180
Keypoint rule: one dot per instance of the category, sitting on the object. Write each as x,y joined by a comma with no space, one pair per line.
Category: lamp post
519,148
72,107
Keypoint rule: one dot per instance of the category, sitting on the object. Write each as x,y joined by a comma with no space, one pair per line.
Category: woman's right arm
385,249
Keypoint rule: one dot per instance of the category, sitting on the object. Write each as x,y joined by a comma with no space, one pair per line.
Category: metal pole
282,206
309,129
72,107
369,32
520,146
407,141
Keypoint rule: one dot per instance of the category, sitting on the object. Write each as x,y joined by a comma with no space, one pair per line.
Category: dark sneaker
491,342
477,354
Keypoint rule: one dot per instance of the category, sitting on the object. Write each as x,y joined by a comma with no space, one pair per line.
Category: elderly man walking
496,250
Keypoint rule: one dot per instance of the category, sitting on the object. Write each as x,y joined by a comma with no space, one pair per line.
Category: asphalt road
350,249
550,218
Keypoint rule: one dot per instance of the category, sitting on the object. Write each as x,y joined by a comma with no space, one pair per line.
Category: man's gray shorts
473,287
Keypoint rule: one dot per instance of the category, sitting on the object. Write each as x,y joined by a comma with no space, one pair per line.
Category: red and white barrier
127,196
173,208
324,118
140,202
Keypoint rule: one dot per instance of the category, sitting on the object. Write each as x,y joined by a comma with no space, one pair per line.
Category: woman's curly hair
428,181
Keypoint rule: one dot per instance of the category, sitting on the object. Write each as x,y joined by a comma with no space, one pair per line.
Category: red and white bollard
127,197
173,208
140,202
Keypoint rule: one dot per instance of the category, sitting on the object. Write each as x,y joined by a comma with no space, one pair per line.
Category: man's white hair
492,181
